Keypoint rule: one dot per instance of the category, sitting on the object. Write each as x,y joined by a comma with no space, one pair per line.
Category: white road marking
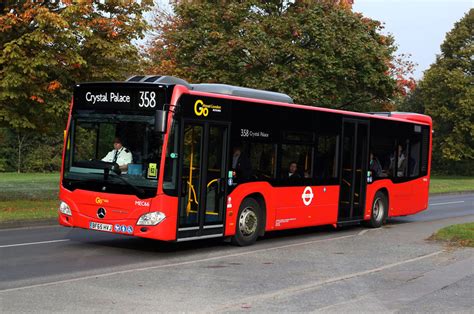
102,275
362,232
33,243
447,203
298,289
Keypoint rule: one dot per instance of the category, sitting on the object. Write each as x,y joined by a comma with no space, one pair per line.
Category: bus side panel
418,199
404,198
372,188
235,198
399,196
284,206
291,211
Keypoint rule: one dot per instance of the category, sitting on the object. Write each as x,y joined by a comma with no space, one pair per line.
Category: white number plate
100,227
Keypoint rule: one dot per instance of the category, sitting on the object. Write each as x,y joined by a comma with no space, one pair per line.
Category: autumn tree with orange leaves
48,46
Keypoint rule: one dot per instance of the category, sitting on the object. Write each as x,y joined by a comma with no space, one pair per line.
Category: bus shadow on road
398,221
84,238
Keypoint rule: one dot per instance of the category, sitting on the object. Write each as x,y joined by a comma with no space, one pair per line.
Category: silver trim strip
189,228
202,237
213,226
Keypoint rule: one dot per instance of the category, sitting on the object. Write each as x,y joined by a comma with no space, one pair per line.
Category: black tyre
379,211
249,222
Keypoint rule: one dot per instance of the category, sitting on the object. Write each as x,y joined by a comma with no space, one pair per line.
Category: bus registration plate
100,227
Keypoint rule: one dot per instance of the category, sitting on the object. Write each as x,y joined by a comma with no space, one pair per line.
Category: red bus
200,161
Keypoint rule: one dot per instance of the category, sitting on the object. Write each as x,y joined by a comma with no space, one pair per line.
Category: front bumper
165,231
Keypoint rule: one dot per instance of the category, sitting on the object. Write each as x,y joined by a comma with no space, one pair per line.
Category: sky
419,26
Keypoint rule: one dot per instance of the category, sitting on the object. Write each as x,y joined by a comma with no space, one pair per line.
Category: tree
447,94
48,46
317,52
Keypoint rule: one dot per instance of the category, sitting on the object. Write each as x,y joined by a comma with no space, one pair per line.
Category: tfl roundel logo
307,195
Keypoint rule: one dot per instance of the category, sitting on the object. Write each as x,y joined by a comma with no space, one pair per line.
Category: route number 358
147,100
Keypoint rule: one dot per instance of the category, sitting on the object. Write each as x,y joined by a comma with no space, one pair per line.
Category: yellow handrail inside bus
211,182
190,184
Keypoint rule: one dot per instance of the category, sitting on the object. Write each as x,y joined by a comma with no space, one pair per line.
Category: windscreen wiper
109,168
77,183
99,164
140,192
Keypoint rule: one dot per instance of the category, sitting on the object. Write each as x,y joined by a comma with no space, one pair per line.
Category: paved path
315,269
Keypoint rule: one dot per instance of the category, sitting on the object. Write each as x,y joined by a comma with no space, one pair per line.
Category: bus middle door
354,163
202,185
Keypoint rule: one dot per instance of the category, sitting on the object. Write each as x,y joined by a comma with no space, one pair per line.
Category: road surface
314,269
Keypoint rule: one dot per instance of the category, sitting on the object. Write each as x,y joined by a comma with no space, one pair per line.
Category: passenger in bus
293,171
374,166
401,164
241,168
120,155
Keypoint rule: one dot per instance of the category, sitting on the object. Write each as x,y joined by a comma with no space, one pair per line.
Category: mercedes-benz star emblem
101,213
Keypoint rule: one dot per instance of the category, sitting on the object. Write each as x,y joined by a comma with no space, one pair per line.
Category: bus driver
120,155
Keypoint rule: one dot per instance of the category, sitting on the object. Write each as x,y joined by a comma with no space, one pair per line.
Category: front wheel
248,223
379,211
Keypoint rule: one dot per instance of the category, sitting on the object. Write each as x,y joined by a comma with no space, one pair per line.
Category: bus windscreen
118,153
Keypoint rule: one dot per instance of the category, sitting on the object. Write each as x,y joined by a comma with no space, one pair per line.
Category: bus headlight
151,219
64,208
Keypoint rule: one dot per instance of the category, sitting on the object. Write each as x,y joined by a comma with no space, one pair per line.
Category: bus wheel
248,223
379,211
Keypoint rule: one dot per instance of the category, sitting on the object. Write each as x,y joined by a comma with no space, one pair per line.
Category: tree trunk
19,152
22,142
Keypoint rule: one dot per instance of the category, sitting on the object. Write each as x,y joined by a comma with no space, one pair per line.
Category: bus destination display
136,98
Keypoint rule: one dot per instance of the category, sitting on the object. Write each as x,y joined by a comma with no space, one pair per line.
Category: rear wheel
379,211
249,222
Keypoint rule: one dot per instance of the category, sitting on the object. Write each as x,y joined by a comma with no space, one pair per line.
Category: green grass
459,235
28,210
28,196
451,184
29,186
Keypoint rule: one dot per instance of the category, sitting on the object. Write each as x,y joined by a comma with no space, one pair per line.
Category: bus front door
354,163
202,185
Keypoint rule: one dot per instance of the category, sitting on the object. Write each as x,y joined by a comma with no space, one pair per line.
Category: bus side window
326,157
299,154
414,158
262,159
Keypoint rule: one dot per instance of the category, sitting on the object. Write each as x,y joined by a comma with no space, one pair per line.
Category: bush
449,167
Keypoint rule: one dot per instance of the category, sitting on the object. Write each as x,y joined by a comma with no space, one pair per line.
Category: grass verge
458,235
451,184
28,210
29,186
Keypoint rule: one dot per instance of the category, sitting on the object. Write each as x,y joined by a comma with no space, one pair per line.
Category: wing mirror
161,119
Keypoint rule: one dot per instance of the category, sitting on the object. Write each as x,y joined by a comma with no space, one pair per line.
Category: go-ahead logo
201,109
100,201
